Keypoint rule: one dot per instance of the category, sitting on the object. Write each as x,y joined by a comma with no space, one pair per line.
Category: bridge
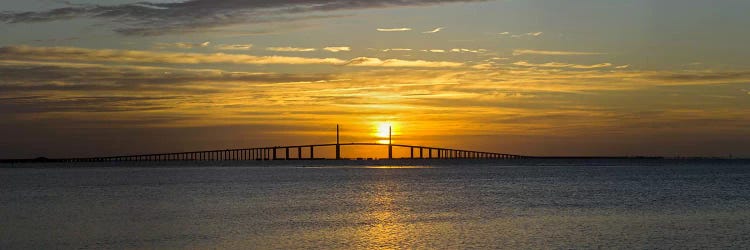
297,152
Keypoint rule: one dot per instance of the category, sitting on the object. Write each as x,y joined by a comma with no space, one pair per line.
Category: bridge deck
272,153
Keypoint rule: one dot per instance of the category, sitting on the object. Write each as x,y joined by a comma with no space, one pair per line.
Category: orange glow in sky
614,78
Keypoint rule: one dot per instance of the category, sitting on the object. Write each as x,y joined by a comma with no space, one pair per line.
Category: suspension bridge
296,152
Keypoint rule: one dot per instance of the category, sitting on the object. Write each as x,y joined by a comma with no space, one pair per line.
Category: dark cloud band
148,18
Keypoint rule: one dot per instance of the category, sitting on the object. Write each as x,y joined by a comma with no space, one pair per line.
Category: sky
532,77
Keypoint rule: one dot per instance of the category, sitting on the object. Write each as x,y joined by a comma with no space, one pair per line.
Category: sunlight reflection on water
371,167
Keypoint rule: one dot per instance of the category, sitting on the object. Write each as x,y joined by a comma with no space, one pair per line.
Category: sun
383,130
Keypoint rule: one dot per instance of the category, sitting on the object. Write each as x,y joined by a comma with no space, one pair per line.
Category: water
549,204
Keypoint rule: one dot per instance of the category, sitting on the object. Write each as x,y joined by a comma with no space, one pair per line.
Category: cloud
702,76
562,65
43,76
367,61
182,45
520,52
436,30
396,49
530,34
58,96
468,50
234,47
622,67
156,18
68,54
434,50
136,56
393,29
337,49
504,33
290,49
483,66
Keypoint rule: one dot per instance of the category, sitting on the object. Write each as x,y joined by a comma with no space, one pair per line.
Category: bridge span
297,152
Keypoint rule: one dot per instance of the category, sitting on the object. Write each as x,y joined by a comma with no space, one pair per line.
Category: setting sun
383,129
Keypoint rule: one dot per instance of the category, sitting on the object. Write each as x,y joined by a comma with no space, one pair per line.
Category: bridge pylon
338,144
390,143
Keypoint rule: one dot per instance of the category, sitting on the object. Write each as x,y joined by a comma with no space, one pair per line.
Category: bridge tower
338,145
390,144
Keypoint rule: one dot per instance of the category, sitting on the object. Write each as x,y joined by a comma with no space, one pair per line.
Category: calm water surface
341,205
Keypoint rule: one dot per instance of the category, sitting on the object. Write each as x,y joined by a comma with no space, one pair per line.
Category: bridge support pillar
287,154
411,151
312,152
299,153
274,153
338,146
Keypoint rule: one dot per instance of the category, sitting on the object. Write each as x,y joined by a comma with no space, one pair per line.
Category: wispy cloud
182,45
393,29
35,75
134,56
469,50
483,66
529,34
396,49
520,52
128,56
436,30
156,18
290,49
562,65
454,50
234,46
367,61
337,49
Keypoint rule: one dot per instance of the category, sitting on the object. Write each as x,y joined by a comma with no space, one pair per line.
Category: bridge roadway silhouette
272,153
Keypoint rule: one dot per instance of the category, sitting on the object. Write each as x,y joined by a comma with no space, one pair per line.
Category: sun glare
382,130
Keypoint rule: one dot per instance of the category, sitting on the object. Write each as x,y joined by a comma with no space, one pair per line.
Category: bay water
377,204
